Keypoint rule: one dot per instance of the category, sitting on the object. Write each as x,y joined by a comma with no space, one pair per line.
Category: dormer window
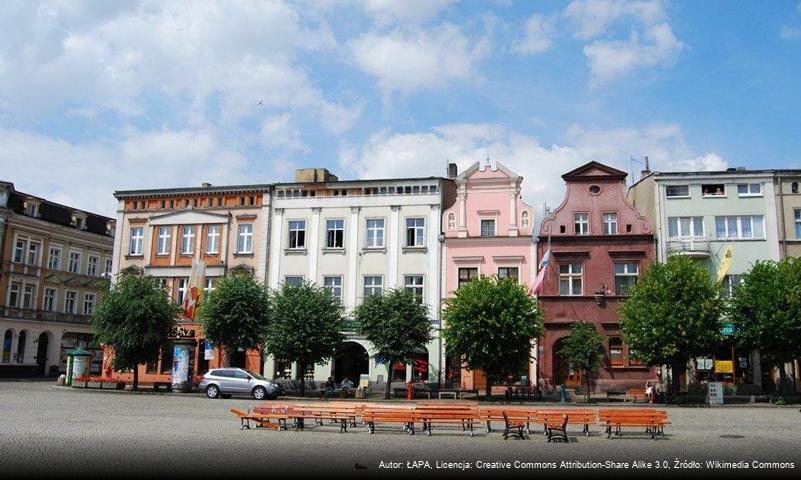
79,220
32,208
110,227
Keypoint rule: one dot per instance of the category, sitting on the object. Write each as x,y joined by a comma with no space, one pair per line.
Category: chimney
314,175
647,170
453,170
205,185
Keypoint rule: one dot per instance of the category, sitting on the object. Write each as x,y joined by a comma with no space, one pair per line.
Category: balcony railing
44,316
693,246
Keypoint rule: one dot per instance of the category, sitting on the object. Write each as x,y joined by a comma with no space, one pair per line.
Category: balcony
690,246
44,316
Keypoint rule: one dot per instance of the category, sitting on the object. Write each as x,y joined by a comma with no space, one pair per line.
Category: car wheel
212,391
259,393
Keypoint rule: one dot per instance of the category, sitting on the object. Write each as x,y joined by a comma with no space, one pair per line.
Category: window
293,280
209,285
730,284
415,284
375,233
415,232
108,266
581,224
713,190
488,228
244,241
163,244
89,304
33,253
683,227
797,213
213,239
334,284
49,299
794,187
466,275
13,295
677,191
739,227
297,234
32,209
335,233
183,284
373,284
74,265
508,272
135,245
54,259
610,223
625,277
91,265
166,359
570,279
749,189
19,250
69,301
188,240
616,357
27,295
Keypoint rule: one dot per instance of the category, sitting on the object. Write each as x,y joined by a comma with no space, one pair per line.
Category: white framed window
488,227
188,240
334,284
74,265
293,279
19,250
107,270
509,272
183,288
50,299
626,275
14,294
163,244
677,191
297,234
210,285
136,241
685,227
415,232
335,233
729,284
581,223
749,189
375,232
415,284
610,223
34,248
92,263
570,279
739,227
713,190
373,284
797,215
213,239
89,304
28,295
32,209
244,240
70,299
54,258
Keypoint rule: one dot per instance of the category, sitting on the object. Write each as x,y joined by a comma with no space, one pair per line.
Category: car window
240,374
222,373
255,375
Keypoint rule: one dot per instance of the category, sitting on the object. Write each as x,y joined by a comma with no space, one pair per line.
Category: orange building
161,231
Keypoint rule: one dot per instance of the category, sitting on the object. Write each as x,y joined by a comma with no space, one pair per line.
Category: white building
358,237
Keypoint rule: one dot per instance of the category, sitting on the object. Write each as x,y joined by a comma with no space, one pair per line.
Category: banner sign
724,366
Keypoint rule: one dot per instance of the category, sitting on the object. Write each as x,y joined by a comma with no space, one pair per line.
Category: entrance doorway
351,361
564,372
237,359
41,353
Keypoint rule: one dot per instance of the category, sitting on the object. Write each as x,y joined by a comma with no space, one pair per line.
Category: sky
98,96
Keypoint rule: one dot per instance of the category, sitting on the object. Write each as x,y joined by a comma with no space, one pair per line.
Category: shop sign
704,363
724,366
181,332
208,351
364,380
727,329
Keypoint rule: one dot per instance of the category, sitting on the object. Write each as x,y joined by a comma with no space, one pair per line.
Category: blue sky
97,96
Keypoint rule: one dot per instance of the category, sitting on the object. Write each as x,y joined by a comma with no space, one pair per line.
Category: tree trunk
488,386
782,380
302,378
587,393
388,387
675,378
135,385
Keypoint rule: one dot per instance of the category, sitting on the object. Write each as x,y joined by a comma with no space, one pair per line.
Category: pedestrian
649,391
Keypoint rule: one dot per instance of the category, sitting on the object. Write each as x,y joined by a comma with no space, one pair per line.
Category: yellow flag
725,263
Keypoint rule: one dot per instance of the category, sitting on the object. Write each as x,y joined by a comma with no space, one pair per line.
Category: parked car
224,382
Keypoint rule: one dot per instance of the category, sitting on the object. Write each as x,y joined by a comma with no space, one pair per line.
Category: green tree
766,312
305,326
396,324
672,315
584,347
135,318
236,313
492,323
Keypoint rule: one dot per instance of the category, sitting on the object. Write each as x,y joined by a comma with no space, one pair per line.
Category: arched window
7,339
21,341
794,187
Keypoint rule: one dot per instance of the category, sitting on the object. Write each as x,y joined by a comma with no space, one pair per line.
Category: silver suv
224,382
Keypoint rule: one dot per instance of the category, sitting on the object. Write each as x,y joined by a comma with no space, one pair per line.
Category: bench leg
586,430
489,427
244,422
608,432
343,426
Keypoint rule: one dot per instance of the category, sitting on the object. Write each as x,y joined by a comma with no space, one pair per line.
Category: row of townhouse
54,263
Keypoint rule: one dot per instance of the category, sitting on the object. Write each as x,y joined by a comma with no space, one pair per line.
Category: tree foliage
236,313
766,312
305,325
584,347
396,324
672,315
136,318
492,322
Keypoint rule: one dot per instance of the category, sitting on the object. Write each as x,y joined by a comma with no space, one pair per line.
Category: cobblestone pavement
46,429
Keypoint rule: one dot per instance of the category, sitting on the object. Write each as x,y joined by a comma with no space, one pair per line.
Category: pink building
488,231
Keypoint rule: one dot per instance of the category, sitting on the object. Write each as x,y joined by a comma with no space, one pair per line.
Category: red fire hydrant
409,390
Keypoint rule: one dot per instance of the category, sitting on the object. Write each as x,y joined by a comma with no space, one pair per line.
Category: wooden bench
634,393
555,426
512,426
615,394
576,416
281,412
462,414
653,421
245,418
405,416
342,414
516,414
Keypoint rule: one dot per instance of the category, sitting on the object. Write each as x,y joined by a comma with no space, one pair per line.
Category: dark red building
600,245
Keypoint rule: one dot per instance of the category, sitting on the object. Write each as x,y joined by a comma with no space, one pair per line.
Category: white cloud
426,153
790,33
538,34
88,173
593,17
406,11
409,60
278,131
